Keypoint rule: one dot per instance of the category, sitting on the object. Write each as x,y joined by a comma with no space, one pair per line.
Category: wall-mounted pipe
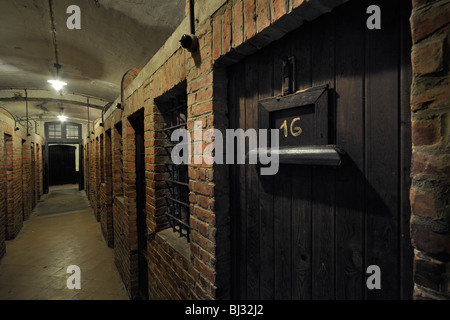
26,106
53,31
103,112
16,128
190,41
87,126
192,16
121,86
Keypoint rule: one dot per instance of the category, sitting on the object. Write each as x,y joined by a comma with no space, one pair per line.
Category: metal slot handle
322,155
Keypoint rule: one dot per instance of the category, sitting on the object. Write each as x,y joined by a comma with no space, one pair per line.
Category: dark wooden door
140,207
310,232
81,171
62,165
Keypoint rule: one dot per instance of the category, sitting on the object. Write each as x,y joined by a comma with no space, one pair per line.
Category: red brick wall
89,169
117,159
171,275
430,167
3,196
99,177
15,221
16,187
129,193
205,274
27,188
39,187
121,244
106,215
8,158
237,29
94,174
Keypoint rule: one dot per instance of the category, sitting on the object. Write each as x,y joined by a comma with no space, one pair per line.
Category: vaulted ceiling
114,37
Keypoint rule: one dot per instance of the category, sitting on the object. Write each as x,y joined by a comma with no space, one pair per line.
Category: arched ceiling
114,37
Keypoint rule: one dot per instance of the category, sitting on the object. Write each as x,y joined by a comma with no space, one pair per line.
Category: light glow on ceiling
58,85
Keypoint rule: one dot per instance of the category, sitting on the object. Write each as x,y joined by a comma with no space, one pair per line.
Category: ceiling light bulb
58,85
62,118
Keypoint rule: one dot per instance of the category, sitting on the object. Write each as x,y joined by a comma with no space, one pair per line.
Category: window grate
177,197
72,132
54,131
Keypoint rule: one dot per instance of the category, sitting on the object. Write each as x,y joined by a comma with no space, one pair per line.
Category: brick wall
121,244
106,214
27,188
99,177
171,275
235,30
94,174
16,187
230,31
15,221
430,166
129,193
8,210
3,196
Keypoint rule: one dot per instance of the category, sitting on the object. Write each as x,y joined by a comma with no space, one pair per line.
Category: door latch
288,76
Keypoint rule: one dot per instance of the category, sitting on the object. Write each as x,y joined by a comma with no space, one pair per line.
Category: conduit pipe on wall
119,106
26,106
192,16
106,106
87,126
16,128
190,41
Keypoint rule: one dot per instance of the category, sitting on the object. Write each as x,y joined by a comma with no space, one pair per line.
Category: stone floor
62,231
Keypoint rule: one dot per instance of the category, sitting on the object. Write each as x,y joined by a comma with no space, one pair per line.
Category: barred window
177,181
54,131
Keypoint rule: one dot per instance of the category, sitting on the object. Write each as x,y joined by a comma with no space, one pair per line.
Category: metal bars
177,196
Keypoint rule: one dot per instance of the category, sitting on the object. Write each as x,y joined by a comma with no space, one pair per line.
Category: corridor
61,231
226,149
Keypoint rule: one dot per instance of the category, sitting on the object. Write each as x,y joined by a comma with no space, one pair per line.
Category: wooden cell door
312,231
81,173
62,165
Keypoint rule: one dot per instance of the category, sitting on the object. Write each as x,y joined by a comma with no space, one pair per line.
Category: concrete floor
61,232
